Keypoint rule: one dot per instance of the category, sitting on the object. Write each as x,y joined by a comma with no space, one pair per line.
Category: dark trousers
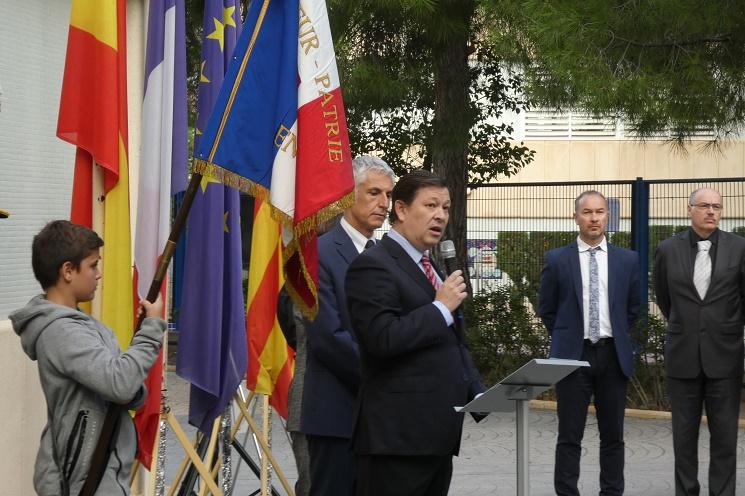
332,467
387,475
722,400
300,450
604,381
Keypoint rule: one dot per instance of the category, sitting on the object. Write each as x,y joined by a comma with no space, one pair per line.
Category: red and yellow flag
93,117
271,362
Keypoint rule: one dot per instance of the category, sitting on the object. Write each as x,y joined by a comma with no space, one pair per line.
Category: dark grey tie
370,243
594,331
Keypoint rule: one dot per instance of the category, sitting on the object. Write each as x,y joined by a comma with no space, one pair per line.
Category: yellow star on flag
218,34
202,77
225,222
206,179
227,16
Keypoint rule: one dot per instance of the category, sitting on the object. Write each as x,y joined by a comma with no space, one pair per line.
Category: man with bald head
699,279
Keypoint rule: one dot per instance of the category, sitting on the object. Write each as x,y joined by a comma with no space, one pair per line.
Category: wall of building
35,186
610,160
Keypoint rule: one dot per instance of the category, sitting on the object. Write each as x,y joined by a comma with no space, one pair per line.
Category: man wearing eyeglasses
700,285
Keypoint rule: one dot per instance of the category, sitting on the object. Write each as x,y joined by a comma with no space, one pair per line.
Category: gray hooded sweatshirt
82,369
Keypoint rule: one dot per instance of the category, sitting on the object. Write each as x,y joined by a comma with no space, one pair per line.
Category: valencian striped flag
162,174
279,131
271,362
212,353
93,117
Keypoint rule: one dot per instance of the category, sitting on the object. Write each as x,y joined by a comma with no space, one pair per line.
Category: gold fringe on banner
302,227
287,253
326,213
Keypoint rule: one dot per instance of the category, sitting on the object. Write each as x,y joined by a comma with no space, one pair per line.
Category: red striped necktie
430,272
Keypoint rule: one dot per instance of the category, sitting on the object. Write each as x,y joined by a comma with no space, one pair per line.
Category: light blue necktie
594,331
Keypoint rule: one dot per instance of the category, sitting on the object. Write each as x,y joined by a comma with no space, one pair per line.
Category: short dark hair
407,187
58,242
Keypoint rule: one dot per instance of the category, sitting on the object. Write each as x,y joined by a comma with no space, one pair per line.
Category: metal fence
511,226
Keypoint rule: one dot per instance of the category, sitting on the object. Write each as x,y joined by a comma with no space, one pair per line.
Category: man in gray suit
700,284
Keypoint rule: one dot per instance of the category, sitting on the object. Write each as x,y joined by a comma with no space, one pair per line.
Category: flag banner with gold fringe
278,130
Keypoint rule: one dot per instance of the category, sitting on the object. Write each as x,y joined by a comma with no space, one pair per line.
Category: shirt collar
582,246
357,237
415,254
695,238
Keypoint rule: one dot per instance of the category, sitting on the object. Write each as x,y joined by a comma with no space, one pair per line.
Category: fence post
640,233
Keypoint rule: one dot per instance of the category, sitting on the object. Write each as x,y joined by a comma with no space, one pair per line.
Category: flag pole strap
266,431
100,457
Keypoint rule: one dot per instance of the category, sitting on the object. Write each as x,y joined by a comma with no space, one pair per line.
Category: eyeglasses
706,206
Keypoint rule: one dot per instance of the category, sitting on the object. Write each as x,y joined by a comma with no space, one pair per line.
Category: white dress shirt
584,264
357,237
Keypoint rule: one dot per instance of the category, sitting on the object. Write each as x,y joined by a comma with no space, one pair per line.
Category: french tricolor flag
278,130
162,171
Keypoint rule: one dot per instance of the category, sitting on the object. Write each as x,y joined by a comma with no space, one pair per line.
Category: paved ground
486,465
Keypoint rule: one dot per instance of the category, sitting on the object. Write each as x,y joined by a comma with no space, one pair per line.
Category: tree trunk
453,120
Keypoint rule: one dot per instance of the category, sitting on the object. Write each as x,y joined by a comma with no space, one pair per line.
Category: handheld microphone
447,250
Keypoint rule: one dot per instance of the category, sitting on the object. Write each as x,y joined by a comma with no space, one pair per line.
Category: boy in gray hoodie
81,367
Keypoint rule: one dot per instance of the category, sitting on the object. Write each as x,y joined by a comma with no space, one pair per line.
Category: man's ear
399,206
65,272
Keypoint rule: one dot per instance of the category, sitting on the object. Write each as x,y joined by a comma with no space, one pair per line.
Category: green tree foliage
503,333
423,87
665,66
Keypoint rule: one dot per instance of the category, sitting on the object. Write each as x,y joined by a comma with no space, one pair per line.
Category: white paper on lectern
538,374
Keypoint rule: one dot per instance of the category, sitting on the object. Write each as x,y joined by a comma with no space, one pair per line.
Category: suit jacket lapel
723,255
407,265
344,244
684,253
576,271
612,271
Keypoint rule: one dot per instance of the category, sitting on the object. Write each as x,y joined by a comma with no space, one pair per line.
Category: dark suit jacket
415,368
560,302
332,371
702,335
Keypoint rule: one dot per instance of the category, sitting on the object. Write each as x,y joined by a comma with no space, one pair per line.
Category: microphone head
447,249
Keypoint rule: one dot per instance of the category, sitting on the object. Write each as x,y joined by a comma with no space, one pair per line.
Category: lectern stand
513,393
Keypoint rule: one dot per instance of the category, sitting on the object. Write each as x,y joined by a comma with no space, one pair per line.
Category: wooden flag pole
100,457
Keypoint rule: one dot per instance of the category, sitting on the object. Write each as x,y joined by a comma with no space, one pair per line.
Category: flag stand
245,415
209,475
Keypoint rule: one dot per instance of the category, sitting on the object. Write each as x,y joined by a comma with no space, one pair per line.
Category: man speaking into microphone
414,362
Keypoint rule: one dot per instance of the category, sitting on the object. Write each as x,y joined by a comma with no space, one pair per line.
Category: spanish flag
93,117
271,362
